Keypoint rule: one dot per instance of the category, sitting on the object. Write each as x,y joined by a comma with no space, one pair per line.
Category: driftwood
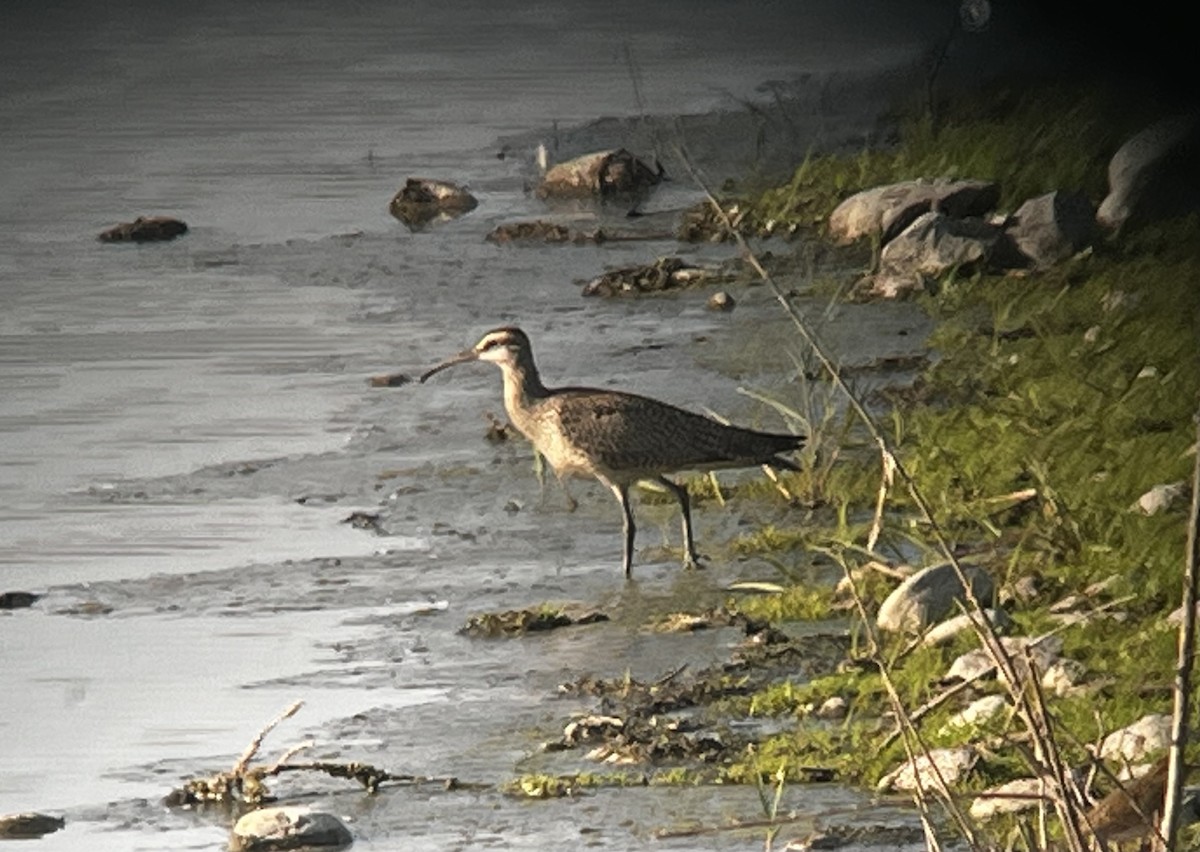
244,783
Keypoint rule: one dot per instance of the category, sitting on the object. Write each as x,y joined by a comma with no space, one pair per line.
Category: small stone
978,712
17,600
424,200
952,764
391,380
1160,498
29,825
721,301
942,633
1135,742
288,827
834,708
144,229
1010,797
1043,651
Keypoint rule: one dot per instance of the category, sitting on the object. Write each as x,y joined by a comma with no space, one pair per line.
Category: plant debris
516,622
244,784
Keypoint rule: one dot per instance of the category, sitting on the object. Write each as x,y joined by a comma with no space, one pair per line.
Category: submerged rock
667,273
721,301
515,622
17,600
602,174
542,231
29,825
424,200
288,827
144,229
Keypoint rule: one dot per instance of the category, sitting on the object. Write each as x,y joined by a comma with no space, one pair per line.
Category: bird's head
501,346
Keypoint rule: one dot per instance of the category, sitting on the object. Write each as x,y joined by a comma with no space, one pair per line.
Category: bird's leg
572,503
622,494
690,559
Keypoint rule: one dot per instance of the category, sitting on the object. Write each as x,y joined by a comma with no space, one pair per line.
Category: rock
667,273
889,210
423,200
942,633
1160,498
1052,227
1010,797
603,174
721,301
1155,174
929,596
931,246
951,763
1043,650
17,600
833,708
701,223
288,828
1135,742
539,231
144,229
26,826
1063,676
389,380
978,712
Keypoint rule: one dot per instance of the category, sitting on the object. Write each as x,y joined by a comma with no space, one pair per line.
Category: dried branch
1183,670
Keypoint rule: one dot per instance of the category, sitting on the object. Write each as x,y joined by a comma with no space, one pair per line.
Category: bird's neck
522,387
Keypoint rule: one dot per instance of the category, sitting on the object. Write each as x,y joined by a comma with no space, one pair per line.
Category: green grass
1079,382
1031,141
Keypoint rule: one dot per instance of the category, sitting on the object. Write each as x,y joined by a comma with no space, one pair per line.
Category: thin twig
1035,722
239,768
1176,769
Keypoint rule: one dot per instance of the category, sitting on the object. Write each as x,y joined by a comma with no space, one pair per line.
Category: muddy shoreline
372,639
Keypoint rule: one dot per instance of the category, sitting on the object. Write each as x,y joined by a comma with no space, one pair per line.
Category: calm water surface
183,426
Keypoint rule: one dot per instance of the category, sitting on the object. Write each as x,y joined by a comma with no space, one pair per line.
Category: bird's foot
691,562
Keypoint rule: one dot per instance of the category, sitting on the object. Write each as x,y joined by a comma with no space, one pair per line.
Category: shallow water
183,427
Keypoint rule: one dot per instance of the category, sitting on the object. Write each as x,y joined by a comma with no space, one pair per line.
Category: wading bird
618,438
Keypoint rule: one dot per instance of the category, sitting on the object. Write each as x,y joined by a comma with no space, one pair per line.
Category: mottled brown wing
627,432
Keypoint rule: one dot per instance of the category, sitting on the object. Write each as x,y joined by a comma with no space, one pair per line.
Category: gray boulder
930,595
889,210
930,247
288,827
1052,227
1155,174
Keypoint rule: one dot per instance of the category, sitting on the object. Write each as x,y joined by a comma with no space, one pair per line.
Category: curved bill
461,357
